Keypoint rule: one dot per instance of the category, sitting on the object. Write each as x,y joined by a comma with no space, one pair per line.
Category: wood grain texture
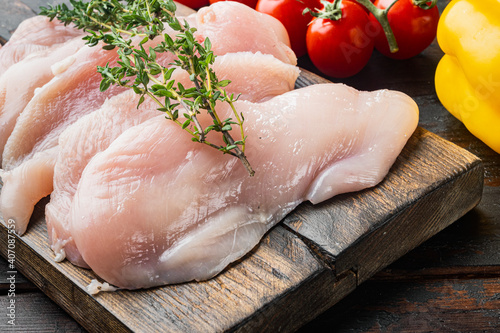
18,10
422,305
467,250
267,288
414,200
296,272
265,281
30,307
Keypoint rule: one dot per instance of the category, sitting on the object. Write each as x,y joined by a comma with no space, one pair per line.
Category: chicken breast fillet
166,210
256,76
35,34
19,82
217,23
75,92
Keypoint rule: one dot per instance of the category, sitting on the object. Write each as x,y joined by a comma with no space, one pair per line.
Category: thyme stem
107,22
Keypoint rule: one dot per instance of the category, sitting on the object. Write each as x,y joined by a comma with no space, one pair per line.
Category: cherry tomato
414,28
249,3
343,47
194,4
289,12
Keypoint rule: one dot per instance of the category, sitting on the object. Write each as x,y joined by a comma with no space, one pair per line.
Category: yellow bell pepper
468,76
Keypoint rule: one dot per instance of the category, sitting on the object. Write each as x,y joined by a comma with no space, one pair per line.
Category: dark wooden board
293,267
423,305
296,272
467,251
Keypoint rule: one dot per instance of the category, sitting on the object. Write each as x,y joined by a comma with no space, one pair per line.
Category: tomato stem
331,11
381,16
424,4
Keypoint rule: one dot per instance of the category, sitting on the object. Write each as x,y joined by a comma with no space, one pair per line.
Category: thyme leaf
116,24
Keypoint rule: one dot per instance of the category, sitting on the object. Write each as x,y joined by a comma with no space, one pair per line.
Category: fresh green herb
115,23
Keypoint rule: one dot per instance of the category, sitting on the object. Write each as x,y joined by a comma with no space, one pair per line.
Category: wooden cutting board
312,259
303,266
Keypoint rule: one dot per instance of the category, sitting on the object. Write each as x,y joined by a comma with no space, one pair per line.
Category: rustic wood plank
18,11
4,269
430,305
272,288
36,313
436,119
470,246
423,193
35,5
281,270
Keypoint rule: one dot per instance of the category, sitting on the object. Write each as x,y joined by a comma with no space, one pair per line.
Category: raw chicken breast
30,136
74,92
71,94
257,76
167,210
25,186
78,144
217,22
68,96
18,83
33,35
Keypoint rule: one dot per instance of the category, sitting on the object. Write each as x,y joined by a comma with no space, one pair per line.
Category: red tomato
414,28
341,48
249,3
195,4
289,12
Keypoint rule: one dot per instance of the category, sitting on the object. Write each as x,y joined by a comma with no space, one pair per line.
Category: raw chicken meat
30,136
217,23
18,83
257,77
74,92
25,186
71,94
78,144
167,210
33,35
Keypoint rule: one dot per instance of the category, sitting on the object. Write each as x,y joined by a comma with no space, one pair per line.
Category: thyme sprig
129,26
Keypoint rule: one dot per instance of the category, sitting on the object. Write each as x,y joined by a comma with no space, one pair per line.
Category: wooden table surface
449,283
